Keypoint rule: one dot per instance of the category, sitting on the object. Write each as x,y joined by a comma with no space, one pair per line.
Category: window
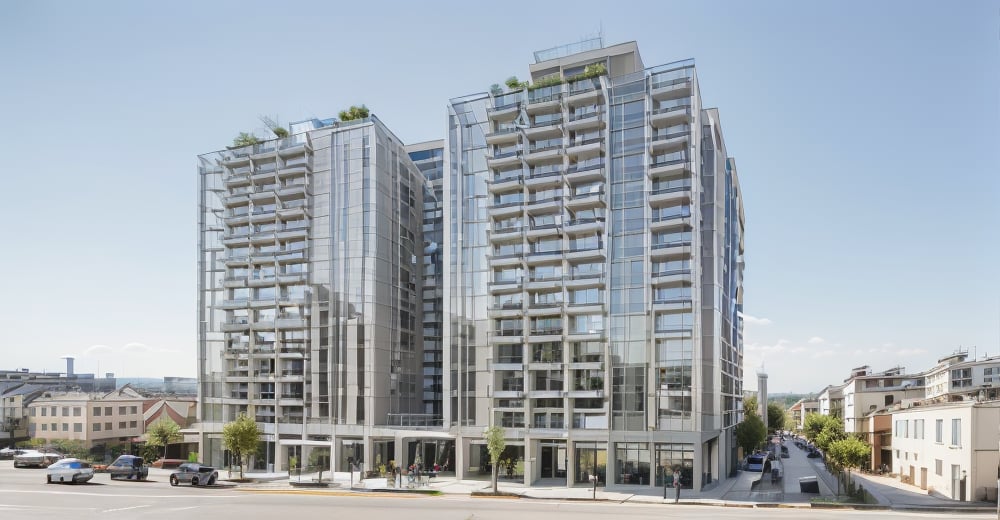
78,427
65,427
133,424
97,427
939,431
97,411
121,410
107,411
956,432
121,425
107,426
902,429
45,412
938,467
45,427
65,411
133,410
918,429
77,411
54,411
33,412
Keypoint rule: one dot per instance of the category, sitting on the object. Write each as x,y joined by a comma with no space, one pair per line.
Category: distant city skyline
866,153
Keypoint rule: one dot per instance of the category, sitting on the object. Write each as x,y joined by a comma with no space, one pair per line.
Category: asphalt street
24,494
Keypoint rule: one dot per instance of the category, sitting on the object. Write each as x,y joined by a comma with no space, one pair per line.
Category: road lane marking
79,493
122,509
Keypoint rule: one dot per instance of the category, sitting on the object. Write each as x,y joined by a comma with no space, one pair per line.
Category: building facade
93,419
567,264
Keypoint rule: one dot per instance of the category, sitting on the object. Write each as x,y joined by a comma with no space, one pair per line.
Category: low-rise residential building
14,398
949,449
94,419
801,409
865,392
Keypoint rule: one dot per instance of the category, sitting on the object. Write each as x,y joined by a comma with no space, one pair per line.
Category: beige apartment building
92,418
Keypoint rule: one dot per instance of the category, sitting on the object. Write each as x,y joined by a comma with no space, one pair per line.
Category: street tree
850,453
815,423
750,406
775,417
495,444
241,437
832,432
163,433
750,433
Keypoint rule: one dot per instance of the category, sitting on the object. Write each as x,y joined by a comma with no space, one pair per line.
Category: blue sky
865,134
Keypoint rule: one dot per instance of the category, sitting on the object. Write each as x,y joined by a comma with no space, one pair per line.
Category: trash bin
808,485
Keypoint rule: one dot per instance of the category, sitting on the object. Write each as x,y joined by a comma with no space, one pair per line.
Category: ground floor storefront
558,458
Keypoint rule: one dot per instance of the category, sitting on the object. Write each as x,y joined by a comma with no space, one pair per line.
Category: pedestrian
677,485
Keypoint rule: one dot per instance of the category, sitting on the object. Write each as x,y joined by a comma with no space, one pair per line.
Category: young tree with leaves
775,417
750,433
495,444
163,433
241,437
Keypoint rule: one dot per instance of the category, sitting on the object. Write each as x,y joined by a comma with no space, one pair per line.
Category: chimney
69,366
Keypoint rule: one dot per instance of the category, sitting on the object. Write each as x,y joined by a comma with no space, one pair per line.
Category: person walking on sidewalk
677,485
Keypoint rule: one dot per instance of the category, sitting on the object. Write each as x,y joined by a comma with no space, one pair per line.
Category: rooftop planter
355,112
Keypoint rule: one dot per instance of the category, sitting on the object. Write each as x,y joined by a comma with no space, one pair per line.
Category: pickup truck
128,467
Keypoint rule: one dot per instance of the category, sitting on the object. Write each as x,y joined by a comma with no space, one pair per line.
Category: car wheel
48,479
173,480
211,481
194,481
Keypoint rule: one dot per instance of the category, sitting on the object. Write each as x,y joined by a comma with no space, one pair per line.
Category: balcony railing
509,332
547,331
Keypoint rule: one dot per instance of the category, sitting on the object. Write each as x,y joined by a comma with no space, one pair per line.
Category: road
24,494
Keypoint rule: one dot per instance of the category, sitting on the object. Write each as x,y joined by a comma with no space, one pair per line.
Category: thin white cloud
133,347
781,346
823,353
910,351
755,320
95,349
816,340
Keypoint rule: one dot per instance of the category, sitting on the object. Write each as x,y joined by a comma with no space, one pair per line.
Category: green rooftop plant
244,139
496,89
278,130
515,84
548,81
355,112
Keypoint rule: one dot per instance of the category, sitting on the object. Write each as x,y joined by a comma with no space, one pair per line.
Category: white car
69,470
29,458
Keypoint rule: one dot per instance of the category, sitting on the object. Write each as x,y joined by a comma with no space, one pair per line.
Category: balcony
236,324
545,99
234,282
263,238
664,89
507,310
543,257
508,394
264,324
239,239
506,209
677,248
290,321
236,260
544,308
263,175
502,136
508,333
543,230
670,194
264,194
543,179
237,157
545,129
504,182
545,334
583,226
235,218
505,286
294,210
293,191
597,393
239,303
262,214
506,259
584,281
586,91
504,159
582,148
506,110
511,363
669,168
292,256
544,151
669,116
585,308
292,277
294,145
264,150
294,169
667,221
505,234
671,277
595,252
586,198
585,172
586,121
291,232
544,203
672,304
668,142
261,280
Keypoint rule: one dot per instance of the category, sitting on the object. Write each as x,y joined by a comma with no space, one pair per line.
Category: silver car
194,473
29,459
69,470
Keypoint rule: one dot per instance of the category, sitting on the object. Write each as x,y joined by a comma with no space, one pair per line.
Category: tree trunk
496,475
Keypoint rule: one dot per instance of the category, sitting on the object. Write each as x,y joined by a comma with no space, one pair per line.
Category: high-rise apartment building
577,280
310,286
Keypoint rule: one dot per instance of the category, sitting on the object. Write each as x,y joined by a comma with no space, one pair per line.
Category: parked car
69,470
814,454
128,467
194,473
30,459
755,462
8,453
